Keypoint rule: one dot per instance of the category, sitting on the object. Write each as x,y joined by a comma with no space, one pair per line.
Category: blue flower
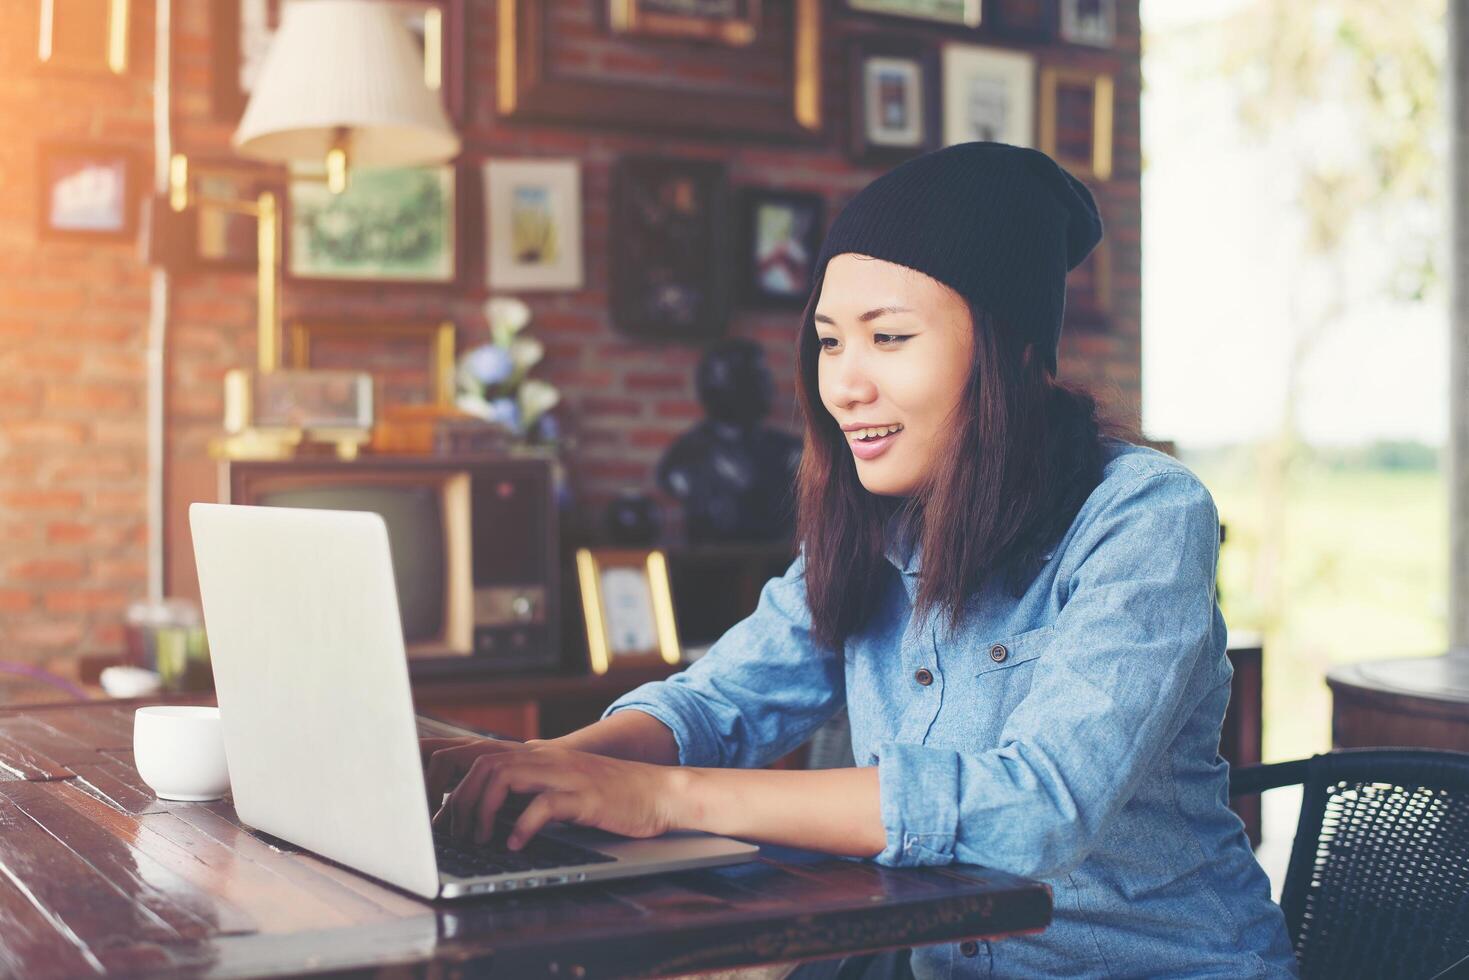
505,412
547,429
489,365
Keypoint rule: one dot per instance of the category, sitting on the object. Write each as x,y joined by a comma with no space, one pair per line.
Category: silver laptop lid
312,680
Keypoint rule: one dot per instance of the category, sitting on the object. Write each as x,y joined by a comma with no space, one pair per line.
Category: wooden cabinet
1418,702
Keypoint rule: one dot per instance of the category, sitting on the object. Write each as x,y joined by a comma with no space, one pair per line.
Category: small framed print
1076,120
989,94
87,191
628,607
1031,21
386,350
312,400
731,22
782,234
960,13
533,224
894,99
1091,22
85,35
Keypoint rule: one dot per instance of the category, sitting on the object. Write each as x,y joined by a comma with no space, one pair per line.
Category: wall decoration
530,86
1033,21
1092,22
732,22
628,608
392,224
669,262
1076,120
988,95
312,400
533,224
240,32
894,99
964,13
379,349
84,35
781,236
86,191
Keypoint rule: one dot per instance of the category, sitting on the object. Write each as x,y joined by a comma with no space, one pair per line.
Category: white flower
526,353
507,316
536,399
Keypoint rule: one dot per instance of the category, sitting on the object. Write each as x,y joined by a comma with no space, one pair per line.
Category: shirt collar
904,554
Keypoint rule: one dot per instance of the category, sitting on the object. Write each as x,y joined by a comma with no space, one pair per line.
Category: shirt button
998,653
969,948
923,676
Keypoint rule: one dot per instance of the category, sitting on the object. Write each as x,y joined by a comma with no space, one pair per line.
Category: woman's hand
635,799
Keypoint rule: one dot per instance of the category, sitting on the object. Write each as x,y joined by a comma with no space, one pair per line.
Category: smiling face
896,347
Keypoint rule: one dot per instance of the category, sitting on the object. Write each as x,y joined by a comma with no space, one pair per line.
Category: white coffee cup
179,751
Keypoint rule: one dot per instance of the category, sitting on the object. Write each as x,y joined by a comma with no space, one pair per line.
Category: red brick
48,570
16,600
87,600
95,397
43,636
41,500
70,532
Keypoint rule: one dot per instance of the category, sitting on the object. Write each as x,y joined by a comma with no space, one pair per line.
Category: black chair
1378,881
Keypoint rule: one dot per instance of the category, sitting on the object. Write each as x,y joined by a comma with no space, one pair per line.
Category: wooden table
1421,702
98,876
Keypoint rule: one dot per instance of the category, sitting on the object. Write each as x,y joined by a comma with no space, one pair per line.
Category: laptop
312,679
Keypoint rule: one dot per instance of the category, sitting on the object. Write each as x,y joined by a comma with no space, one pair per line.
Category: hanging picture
1031,21
669,226
627,605
894,100
732,22
1092,22
782,234
393,224
1076,120
86,191
533,224
988,95
964,13
84,35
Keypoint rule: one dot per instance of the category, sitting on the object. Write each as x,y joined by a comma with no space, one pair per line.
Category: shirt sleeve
760,690
1107,698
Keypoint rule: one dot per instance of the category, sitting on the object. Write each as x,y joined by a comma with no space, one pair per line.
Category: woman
1016,610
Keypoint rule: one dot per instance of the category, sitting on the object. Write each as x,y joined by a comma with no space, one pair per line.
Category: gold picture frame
650,18
114,50
628,607
438,338
1098,163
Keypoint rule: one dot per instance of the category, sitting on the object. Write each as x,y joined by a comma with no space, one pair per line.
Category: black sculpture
733,475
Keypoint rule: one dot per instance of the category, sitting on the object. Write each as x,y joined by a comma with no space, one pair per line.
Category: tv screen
415,535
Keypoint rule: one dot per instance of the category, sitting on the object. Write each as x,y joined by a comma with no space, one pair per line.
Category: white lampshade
344,64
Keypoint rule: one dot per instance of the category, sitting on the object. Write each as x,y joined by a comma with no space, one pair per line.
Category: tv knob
522,607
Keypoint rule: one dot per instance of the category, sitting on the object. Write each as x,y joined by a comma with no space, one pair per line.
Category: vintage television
474,544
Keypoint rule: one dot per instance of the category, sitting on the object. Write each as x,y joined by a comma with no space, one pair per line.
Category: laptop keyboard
493,857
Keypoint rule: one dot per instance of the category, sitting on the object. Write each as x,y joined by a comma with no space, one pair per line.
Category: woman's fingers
546,807
447,762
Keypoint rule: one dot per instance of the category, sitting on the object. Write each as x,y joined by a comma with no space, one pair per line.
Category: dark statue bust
734,475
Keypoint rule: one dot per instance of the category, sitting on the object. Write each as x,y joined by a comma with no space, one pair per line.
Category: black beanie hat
999,224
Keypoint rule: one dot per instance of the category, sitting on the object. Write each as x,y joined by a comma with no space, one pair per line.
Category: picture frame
86,191
392,224
1089,22
988,94
627,605
894,96
1076,120
533,224
728,22
669,269
240,32
532,87
88,35
957,13
374,341
312,401
1028,21
781,237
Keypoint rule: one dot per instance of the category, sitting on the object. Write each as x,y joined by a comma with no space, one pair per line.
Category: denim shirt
1069,735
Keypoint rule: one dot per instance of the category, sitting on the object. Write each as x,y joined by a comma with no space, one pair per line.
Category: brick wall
72,506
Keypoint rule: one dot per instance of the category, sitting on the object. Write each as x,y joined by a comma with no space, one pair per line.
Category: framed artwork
1092,22
392,224
989,94
628,607
1033,21
86,35
531,85
87,191
782,236
668,263
240,32
962,13
894,100
1076,120
386,350
312,400
533,224
1089,290
732,22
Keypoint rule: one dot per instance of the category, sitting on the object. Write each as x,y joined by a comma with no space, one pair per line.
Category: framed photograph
989,94
782,236
668,263
1032,21
85,35
413,362
392,224
894,100
628,607
732,22
1092,22
240,32
963,13
533,224
87,191
1076,120
312,400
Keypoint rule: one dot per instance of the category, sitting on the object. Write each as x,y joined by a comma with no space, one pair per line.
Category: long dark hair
1024,455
